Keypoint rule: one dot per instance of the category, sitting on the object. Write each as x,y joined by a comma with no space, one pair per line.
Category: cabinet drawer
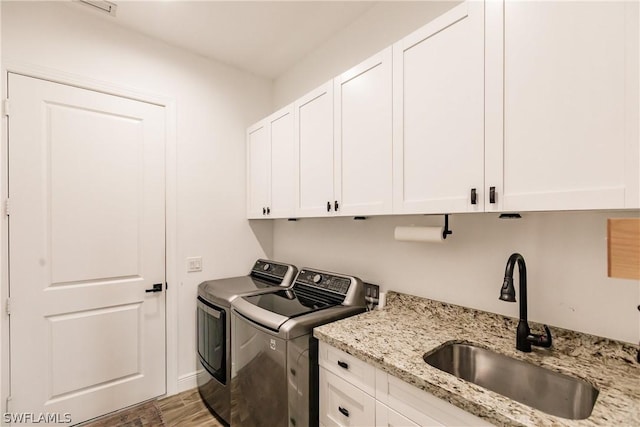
347,367
342,404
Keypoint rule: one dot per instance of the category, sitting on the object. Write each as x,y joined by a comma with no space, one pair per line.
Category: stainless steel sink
551,392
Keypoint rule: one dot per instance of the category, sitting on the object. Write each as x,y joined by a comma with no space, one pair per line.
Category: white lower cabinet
387,417
354,393
343,404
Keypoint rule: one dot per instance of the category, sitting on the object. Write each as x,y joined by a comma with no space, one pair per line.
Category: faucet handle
546,339
541,340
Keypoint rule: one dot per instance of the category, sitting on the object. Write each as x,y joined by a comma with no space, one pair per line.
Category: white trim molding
189,381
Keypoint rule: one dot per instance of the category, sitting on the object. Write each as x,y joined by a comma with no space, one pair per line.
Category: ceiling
262,37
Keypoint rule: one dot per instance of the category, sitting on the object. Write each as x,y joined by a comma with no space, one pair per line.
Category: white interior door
86,184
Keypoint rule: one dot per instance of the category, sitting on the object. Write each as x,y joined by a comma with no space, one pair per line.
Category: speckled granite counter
395,339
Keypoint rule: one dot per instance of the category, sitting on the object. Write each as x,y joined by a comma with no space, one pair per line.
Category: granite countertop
395,338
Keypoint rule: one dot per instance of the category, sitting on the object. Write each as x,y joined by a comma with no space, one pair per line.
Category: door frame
171,273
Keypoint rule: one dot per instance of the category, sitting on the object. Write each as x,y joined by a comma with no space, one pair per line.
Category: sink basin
551,392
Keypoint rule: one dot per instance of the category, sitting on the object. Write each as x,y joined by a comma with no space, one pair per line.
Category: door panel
83,221
439,114
282,164
363,138
258,167
566,102
314,151
73,339
86,183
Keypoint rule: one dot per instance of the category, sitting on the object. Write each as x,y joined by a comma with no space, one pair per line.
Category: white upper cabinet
344,143
438,113
258,170
492,106
314,152
363,138
282,164
562,105
271,167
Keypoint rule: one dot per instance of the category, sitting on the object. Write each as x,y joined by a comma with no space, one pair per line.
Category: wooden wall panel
623,248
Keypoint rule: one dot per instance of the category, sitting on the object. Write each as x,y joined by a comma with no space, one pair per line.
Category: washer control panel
271,268
324,281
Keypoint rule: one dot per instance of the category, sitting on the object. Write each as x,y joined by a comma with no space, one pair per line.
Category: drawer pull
343,365
343,411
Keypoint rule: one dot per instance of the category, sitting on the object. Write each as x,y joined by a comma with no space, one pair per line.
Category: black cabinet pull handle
264,211
474,196
328,206
343,365
157,287
492,194
268,210
343,411
335,205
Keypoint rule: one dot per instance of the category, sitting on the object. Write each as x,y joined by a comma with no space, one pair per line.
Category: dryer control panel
324,281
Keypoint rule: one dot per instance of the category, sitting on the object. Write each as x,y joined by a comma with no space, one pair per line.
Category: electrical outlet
194,264
371,295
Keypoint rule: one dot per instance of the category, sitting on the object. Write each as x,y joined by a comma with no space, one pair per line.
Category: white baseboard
188,381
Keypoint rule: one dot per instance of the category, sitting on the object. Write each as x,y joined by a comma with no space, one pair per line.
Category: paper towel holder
446,230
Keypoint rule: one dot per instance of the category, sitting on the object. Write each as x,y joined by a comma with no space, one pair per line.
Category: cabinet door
570,114
438,114
342,404
363,138
314,152
387,417
419,406
282,164
258,170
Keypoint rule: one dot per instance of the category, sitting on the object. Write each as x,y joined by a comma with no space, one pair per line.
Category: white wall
565,252
214,104
379,27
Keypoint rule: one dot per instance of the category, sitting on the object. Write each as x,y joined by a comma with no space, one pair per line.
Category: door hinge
5,107
7,207
8,306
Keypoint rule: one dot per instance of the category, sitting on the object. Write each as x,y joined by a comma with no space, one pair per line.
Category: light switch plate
194,264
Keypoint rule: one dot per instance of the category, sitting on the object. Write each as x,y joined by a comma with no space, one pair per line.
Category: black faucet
524,338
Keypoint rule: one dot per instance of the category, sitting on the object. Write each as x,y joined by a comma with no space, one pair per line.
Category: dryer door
212,339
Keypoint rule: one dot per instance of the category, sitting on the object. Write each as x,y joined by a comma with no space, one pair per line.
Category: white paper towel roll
419,234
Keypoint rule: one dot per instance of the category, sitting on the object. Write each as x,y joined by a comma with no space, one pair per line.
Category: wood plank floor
181,410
